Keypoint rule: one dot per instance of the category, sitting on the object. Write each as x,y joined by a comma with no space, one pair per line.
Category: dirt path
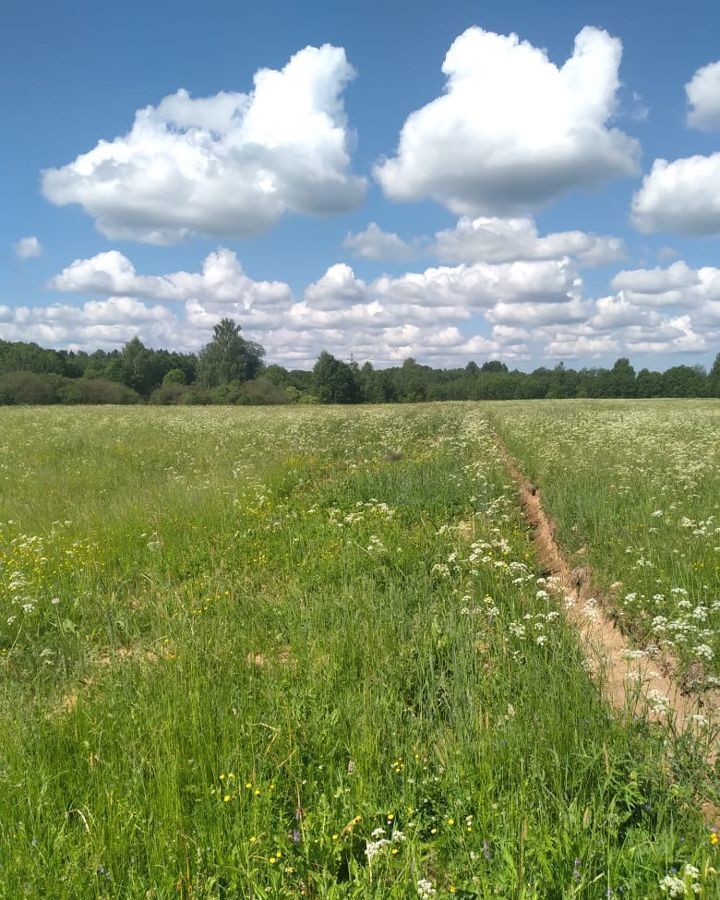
635,682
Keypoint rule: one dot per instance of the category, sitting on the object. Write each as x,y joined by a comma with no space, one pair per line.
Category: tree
494,365
174,376
335,381
228,357
683,381
649,384
620,381
714,378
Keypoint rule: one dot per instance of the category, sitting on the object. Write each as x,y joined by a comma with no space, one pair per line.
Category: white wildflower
425,889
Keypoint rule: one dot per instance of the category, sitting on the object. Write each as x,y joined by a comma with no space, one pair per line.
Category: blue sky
519,212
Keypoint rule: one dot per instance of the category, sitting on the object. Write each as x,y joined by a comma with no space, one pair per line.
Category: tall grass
286,653
634,488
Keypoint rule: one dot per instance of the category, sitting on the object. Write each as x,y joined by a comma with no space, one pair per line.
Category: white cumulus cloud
681,196
497,240
513,130
678,285
374,243
703,93
231,164
443,315
28,247
221,280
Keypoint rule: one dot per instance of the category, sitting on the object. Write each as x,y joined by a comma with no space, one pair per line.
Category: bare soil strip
635,682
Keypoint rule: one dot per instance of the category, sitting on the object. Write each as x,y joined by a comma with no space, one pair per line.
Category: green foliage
263,391
335,381
29,388
174,376
241,647
228,357
633,488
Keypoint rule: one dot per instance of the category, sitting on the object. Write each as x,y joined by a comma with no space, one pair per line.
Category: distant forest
230,369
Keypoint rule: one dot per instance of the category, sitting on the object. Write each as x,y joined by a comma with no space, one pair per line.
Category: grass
635,490
304,652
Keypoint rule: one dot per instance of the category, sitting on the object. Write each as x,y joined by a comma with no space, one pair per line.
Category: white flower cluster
380,842
682,887
425,889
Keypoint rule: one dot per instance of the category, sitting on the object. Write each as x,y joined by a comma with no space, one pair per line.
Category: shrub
170,393
28,387
95,391
262,391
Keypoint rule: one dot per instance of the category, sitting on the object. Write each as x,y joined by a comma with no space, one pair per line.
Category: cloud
28,248
221,280
681,196
489,239
374,243
512,130
482,285
675,335
498,240
656,281
94,324
443,315
703,93
539,315
425,313
684,196
678,285
580,346
231,164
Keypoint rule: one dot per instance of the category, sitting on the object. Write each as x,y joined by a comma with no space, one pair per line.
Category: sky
536,183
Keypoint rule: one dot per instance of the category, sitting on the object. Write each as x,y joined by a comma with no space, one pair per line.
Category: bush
170,393
262,391
28,387
95,391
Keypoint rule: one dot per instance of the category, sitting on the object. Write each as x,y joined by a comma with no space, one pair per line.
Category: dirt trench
634,681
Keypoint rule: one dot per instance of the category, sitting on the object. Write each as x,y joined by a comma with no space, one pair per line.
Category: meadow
310,652
634,490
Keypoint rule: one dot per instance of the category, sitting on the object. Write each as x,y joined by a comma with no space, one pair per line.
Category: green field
310,652
635,486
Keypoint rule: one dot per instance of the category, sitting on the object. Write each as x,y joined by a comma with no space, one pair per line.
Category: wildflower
658,702
425,889
372,848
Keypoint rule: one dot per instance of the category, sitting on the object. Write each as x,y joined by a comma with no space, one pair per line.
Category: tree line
231,369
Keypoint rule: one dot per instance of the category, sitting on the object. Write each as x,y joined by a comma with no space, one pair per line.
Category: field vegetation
634,490
310,652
